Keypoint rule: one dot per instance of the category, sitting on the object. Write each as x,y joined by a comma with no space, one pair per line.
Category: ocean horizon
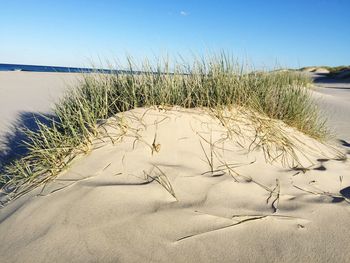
45,68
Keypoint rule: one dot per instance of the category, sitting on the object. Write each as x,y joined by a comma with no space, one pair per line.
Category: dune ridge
180,185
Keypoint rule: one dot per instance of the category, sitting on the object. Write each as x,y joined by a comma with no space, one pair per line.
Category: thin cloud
184,13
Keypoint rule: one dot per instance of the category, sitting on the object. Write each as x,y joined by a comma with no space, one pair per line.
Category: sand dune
175,185
318,70
321,70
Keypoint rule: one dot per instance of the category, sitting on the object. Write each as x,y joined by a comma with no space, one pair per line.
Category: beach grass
214,82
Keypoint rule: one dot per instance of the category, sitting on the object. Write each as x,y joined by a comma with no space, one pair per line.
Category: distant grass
213,82
338,69
333,71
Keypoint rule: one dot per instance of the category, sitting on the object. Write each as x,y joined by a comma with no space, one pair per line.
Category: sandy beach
334,99
174,186
30,92
25,96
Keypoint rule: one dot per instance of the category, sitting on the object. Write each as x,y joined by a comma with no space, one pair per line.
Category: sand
30,92
322,70
25,96
318,70
333,96
107,208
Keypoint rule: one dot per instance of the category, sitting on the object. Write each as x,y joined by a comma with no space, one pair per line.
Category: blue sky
290,33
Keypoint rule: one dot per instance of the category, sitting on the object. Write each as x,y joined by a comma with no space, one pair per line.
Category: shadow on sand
344,143
12,143
345,192
325,78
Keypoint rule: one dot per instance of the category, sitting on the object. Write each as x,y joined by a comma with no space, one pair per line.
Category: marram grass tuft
214,82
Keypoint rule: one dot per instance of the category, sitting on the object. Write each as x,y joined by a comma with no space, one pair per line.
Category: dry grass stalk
161,178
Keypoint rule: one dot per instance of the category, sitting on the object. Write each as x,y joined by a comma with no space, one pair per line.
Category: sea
36,68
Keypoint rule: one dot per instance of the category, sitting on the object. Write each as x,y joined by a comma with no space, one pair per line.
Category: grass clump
212,82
